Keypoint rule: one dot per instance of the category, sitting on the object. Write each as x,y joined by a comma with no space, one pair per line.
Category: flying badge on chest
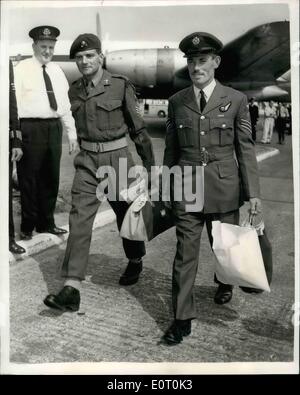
225,108
105,82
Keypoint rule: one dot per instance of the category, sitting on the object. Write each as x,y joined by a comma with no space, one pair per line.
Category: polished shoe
250,290
25,235
132,273
178,329
16,248
68,299
54,230
223,294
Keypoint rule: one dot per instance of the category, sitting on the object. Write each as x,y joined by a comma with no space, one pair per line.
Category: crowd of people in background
274,116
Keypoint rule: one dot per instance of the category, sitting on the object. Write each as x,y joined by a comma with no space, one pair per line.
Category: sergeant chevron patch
246,125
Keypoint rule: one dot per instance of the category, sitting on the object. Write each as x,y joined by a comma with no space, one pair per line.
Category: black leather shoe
178,329
16,248
68,299
132,273
250,290
223,294
55,231
25,235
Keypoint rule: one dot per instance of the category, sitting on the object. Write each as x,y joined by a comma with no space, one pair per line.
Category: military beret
198,43
85,42
44,33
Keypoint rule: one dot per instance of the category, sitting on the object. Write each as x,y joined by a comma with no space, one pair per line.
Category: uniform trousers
85,204
38,172
268,130
10,202
189,226
281,126
253,128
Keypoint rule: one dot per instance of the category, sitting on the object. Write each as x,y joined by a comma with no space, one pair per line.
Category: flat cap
84,42
44,33
198,43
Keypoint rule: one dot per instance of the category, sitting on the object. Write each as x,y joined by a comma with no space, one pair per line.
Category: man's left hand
255,206
16,154
73,146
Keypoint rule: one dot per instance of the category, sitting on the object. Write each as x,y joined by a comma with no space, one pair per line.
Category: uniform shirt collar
208,90
38,63
97,78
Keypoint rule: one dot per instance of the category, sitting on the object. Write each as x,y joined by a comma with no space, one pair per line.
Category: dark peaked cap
199,43
44,33
84,42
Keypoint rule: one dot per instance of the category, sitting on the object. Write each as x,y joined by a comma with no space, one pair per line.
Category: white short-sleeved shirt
32,98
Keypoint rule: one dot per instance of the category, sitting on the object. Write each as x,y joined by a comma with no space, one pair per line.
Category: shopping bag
266,251
239,258
146,219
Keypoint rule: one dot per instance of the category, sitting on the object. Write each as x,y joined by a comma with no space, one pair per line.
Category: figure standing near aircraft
105,109
208,126
15,154
43,105
253,110
281,121
269,122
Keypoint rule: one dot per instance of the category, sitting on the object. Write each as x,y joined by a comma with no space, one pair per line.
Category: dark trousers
84,208
281,126
10,202
253,127
189,227
38,172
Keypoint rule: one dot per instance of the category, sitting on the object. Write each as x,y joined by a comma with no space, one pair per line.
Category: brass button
202,117
202,148
202,133
223,125
180,126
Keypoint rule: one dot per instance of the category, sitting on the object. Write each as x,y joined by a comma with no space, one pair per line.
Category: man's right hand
73,146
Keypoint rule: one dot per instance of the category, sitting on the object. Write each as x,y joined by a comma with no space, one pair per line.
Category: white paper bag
239,258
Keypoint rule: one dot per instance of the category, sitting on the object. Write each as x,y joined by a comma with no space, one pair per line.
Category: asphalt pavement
124,324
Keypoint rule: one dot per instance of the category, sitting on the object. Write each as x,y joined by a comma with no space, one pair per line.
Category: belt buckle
100,147
204,158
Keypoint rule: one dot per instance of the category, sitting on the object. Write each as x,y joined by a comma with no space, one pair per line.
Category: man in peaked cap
104,108
208,127
43,104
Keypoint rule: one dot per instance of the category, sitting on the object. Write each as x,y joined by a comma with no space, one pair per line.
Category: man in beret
208,129
104,107
44,108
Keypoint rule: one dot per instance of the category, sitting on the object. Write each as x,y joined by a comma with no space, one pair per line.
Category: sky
135,27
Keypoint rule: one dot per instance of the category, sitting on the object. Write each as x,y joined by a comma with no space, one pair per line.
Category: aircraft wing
260,55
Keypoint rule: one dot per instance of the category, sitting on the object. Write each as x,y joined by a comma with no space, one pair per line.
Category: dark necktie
202,100
49,88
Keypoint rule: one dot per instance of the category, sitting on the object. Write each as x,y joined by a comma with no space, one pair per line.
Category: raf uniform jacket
223,133
108,111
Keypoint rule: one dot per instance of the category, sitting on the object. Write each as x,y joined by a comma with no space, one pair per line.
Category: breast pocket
185,132
221,131
109,114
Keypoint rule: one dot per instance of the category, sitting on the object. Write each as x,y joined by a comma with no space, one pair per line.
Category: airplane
257,63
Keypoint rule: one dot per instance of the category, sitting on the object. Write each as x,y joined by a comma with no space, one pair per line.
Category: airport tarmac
124,324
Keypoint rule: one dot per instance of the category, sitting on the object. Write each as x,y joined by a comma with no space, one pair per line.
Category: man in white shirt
44,108
269,123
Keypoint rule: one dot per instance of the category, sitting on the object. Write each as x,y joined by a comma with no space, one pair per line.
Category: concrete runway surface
124,324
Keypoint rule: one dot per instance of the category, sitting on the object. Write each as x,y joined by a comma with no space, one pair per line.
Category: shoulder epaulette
123,77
